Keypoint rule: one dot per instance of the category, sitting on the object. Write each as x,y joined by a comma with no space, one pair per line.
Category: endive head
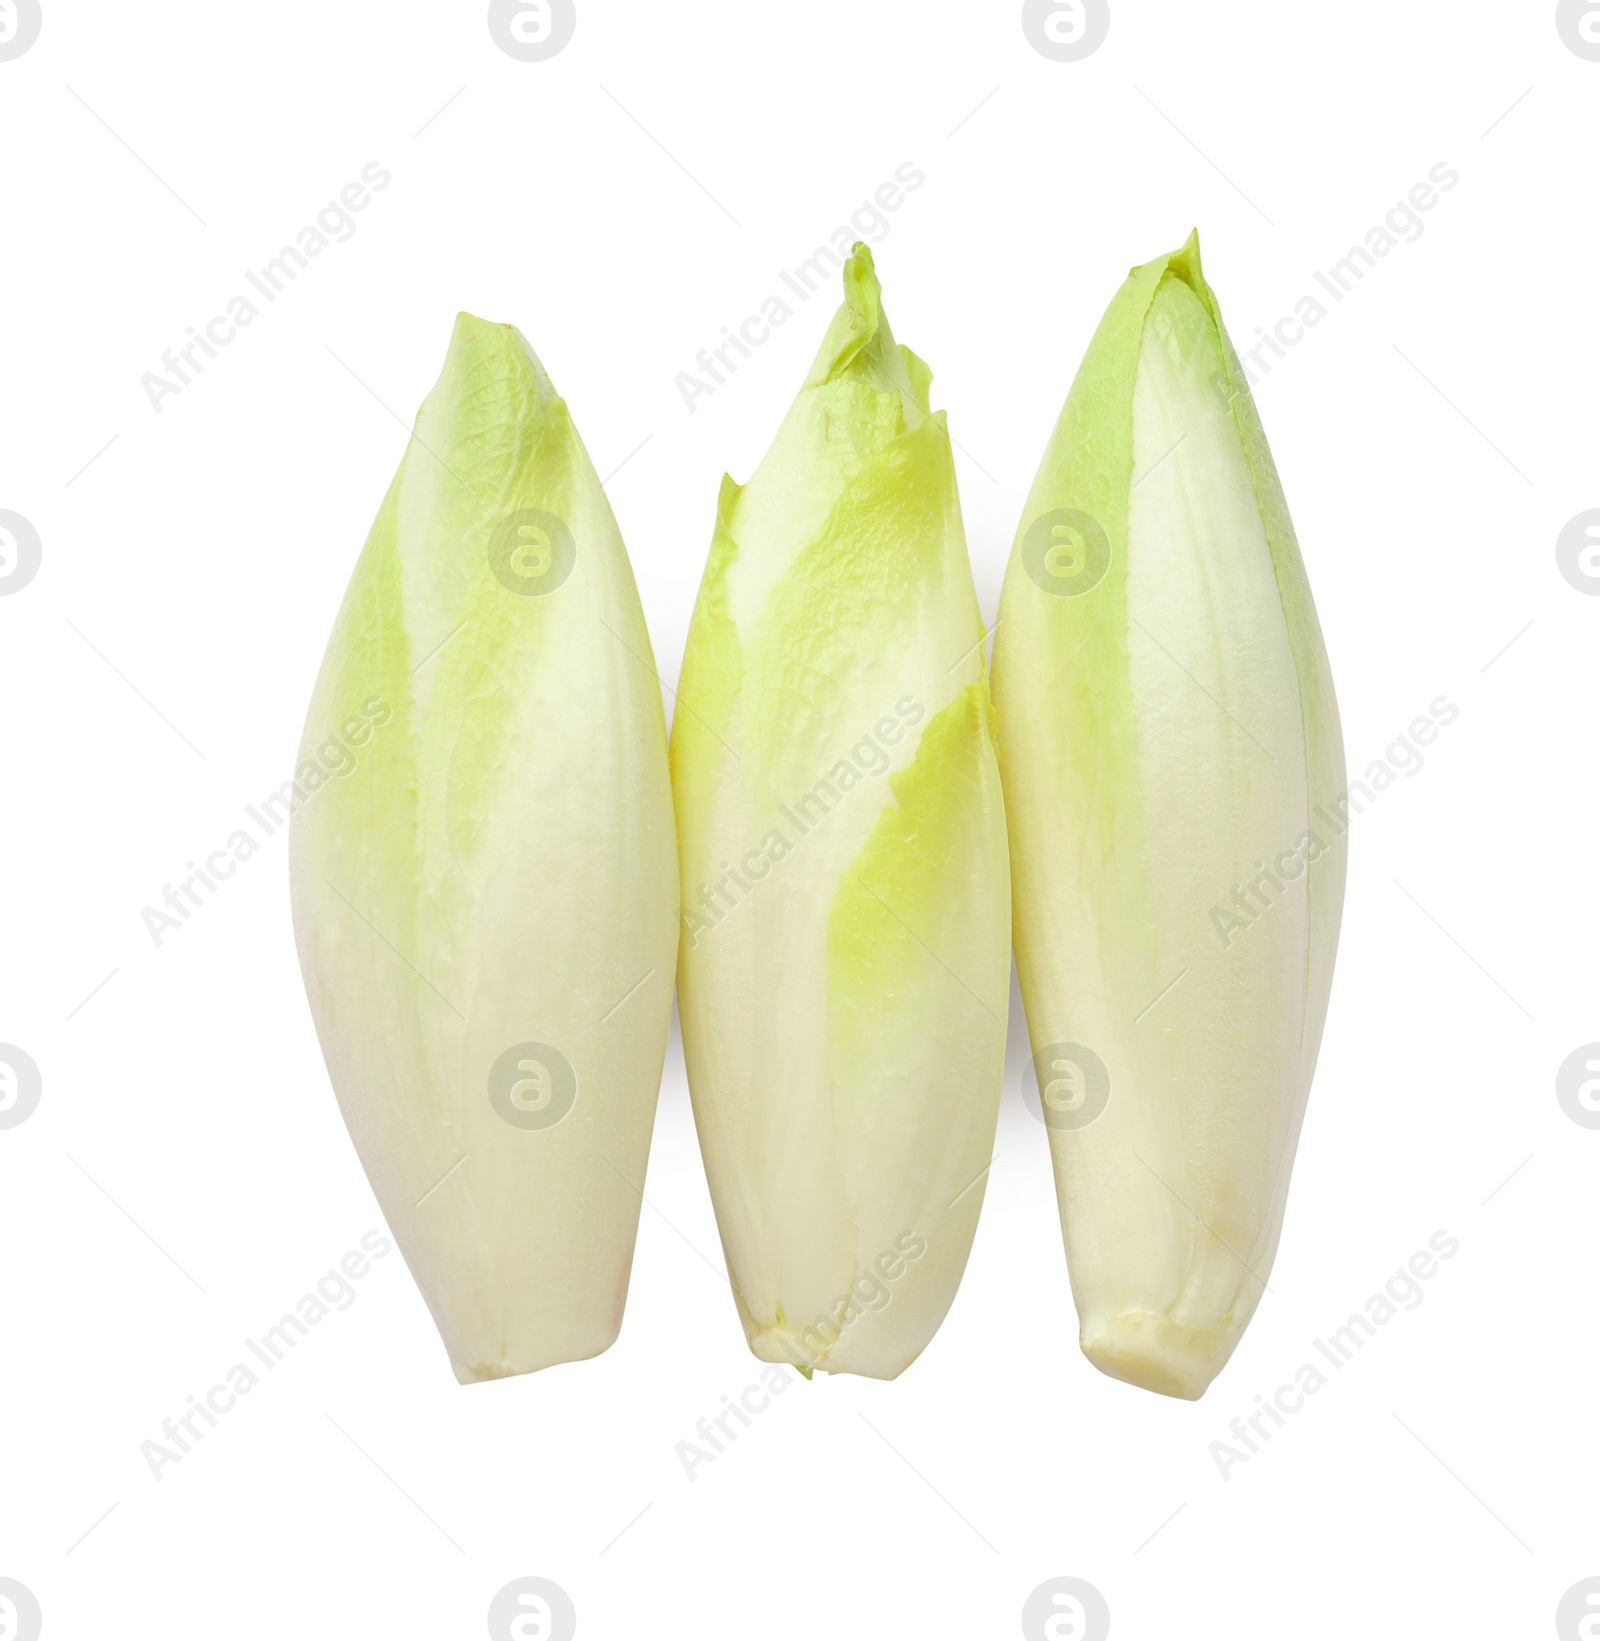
1167,719
474,896
843,1005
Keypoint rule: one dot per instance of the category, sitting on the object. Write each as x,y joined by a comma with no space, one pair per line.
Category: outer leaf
496,872
842,980
1173,766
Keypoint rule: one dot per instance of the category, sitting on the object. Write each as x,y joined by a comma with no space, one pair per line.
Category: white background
186,1177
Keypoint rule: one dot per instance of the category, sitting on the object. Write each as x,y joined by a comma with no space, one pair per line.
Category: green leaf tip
860,345
482,351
